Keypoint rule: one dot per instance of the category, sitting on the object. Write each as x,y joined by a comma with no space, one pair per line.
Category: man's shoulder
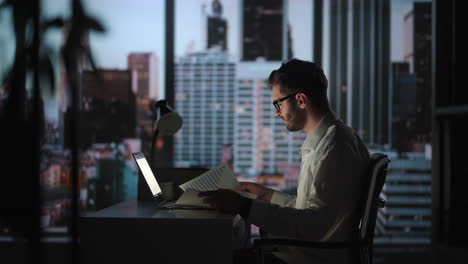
344,134
342,131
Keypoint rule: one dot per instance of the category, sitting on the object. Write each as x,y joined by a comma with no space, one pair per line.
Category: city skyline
111,49
204,88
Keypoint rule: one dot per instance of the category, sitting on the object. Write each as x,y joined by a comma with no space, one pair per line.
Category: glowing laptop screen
147,173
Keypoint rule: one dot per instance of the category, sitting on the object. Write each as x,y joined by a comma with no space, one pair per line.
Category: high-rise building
262,144
403,107
107,107
144,68
265,30
204,91
217,27
406,218
418,53
359,65
408,40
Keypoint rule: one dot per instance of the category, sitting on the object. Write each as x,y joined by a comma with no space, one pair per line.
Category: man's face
292,115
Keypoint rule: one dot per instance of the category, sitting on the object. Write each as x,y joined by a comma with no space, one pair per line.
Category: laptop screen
147,173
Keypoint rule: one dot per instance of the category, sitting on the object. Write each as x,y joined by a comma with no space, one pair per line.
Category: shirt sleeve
337,186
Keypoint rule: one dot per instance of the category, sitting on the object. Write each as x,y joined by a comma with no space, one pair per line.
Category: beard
296,118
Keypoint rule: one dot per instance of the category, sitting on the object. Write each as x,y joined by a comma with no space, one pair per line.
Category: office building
108,106
145,64
265,31
403,108
418,30
204,90
406,218
216,27
262,144
217,33
359,64
145,78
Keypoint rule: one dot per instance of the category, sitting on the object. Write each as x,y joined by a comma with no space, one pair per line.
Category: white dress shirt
329,193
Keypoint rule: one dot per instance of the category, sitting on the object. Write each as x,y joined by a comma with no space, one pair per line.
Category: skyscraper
217,27
359,65
418,54
145,64
403,108
262,144
108,106
406,218
265,30
204,90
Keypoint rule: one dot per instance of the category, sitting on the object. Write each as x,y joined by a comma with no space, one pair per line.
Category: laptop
156,191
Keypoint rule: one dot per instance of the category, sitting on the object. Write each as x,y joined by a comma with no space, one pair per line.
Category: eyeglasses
276,103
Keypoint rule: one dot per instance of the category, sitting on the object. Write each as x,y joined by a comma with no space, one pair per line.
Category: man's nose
277,113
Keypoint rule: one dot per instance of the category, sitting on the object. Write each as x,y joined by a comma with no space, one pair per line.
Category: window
116,112
380,84
217,38
376,55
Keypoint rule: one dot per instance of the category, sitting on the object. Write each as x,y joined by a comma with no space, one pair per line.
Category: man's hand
225,201
262,193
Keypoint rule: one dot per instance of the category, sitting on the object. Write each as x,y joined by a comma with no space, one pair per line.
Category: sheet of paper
220,177
189,199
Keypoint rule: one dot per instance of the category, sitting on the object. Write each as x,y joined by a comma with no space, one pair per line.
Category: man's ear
302,100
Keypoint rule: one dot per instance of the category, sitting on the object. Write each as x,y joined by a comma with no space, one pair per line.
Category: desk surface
149,210
138,232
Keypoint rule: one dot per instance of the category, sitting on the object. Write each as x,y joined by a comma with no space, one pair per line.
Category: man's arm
268,195
338,187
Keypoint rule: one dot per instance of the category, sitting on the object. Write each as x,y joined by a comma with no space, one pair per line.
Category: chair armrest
307,244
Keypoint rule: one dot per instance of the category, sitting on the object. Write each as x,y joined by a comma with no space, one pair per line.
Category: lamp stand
153,142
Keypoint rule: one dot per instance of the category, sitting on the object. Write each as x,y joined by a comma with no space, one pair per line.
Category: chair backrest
378,173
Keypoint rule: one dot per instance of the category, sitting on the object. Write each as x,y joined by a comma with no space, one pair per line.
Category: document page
220,177
190,199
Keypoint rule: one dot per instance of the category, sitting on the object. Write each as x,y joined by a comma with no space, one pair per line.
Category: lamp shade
169,121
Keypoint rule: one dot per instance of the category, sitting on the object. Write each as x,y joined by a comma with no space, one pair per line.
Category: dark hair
298,76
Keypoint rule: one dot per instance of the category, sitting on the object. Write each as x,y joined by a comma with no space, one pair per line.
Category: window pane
379,57
115,103
224,55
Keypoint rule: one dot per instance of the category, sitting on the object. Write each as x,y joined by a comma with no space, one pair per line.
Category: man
333,169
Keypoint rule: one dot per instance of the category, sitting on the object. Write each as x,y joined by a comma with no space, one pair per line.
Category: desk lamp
167,122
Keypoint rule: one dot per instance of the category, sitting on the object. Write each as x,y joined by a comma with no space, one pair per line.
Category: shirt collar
313,139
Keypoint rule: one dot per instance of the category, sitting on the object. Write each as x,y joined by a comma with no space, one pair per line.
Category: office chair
364,240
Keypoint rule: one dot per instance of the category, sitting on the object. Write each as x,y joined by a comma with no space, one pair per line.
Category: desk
135,232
